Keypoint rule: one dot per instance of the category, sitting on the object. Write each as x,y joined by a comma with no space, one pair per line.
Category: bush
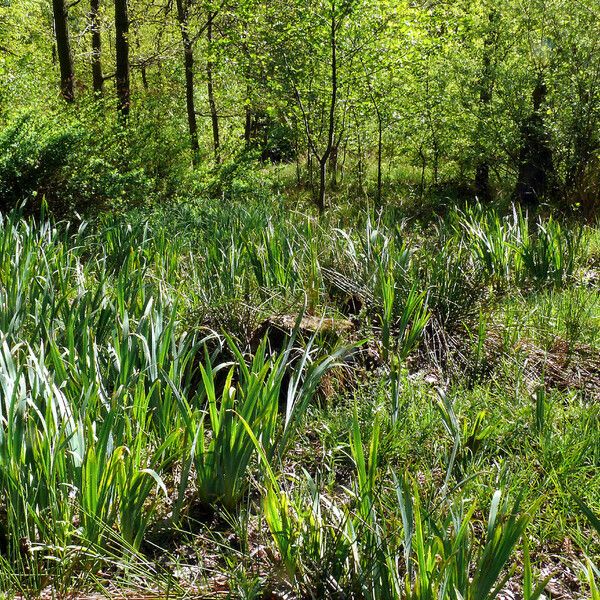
33,159
83,163
239,178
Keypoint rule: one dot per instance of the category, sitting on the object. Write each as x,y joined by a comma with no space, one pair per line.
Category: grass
438,438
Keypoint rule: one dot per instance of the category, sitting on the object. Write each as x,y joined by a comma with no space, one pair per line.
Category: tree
63,49
97,76
122,57
188,59
380,59
486,88
312,70
536,176
576,90
214,115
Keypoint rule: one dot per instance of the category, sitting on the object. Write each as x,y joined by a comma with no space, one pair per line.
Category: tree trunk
324,158
333,165
322,185
188,57
63,49
486,83
248,126
298,166
344,156
482,169
423,158
143,71
214,117
247,103
332,106
122,57
482,181
378,197
97,76
537,177
144,77
360,162
585,143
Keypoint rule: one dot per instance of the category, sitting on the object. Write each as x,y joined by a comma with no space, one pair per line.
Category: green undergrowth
438,440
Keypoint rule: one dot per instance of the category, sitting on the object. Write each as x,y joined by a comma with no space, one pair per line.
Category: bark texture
188,59
97,75
63,50
122,57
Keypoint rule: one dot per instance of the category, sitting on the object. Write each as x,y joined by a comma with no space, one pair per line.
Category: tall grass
121,412
356,549
516,248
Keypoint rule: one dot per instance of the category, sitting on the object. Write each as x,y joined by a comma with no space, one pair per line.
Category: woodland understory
300,299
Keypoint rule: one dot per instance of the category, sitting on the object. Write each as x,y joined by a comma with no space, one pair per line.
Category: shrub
238,178
33,159
82,163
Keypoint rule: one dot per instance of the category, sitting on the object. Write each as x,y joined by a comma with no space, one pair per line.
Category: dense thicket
469,96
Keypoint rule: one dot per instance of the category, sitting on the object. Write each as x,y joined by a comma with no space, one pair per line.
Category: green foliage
161,434
506,248
239,178
549,255
420,100
121,414
222,462
84,163
33,159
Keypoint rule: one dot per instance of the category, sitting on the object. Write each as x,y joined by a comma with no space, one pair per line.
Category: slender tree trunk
298,166
423,170
97,76
332,106
211,92
344,156
188,57
122,57
322,185
333,165
585,132
143,70
482,168
379,118
486,83
144,77
379,161
433,124
63,49
482,181
248,106
248,126
360,163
